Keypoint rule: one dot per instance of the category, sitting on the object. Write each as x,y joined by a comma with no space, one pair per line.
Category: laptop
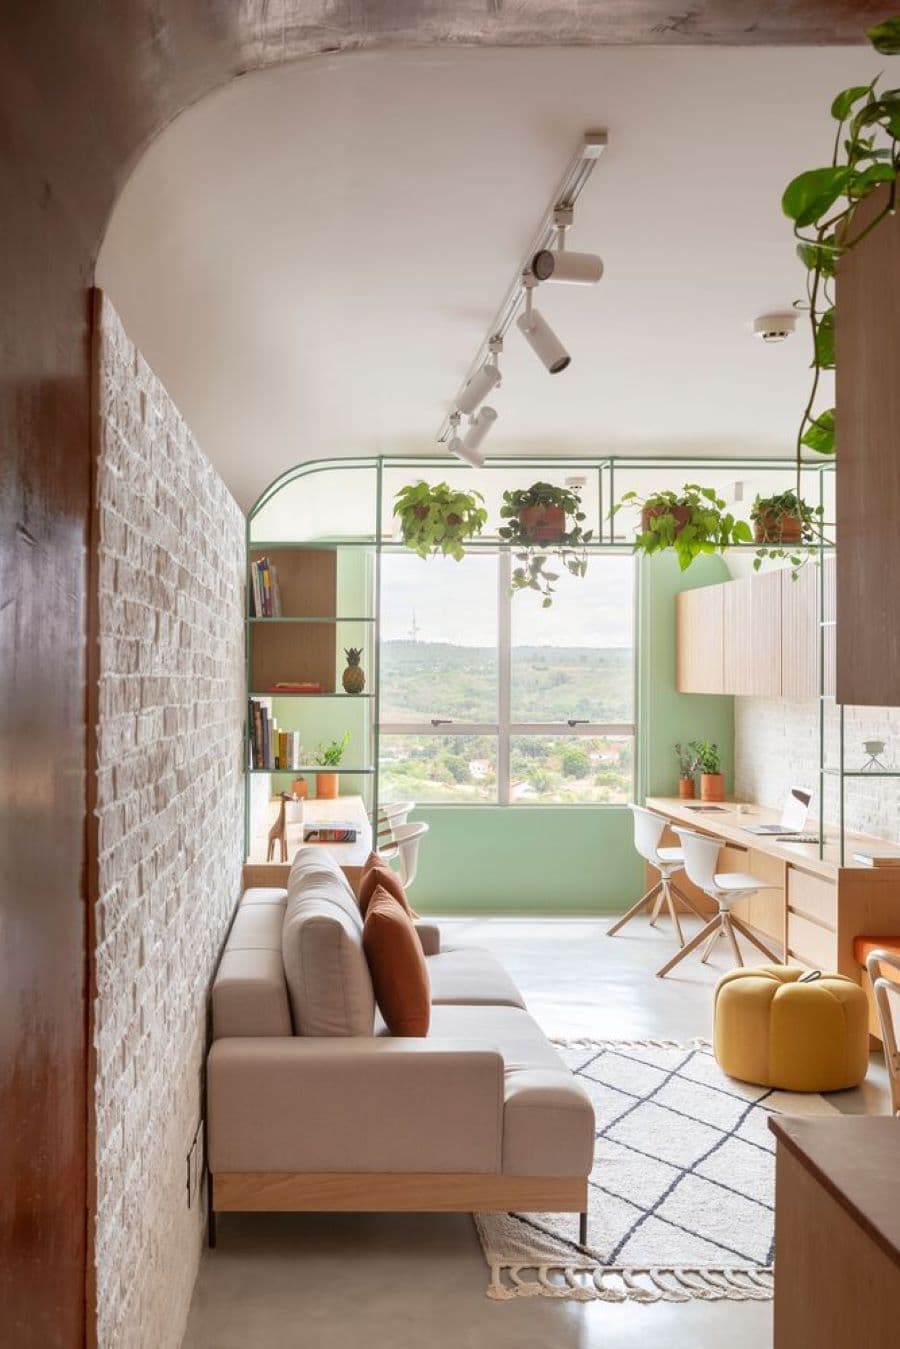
793,816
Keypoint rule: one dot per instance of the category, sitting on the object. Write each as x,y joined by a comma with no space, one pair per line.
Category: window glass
576,659
568,769
438,639
435,768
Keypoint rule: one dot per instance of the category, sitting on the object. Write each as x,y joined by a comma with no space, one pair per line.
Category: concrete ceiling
310,257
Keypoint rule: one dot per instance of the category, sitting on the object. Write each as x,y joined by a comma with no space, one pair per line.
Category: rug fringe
631,1284
588,1042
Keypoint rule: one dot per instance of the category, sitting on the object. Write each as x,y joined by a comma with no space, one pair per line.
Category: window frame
505,730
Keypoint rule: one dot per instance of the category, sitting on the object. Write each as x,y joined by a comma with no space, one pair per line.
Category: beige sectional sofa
312,1105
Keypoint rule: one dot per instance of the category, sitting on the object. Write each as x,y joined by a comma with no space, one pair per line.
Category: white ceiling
310,257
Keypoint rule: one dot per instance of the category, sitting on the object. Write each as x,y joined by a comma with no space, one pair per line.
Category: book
877,859
296,686
335,832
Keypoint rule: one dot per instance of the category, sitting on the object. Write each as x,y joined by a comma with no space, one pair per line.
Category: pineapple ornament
353,679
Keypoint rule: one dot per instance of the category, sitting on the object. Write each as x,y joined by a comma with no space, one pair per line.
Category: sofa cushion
376,872
397,966
548,1118
321,943
471,976
249,995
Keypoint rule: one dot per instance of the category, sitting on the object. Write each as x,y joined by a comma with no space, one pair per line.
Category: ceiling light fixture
540,336
576,175
576,269
487,377
469,447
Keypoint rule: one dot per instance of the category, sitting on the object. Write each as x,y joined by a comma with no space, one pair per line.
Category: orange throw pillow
376,872
397,966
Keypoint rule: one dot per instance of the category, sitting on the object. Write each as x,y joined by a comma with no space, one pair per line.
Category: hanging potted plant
329,755
543,521
436,518
709,761
687,768
787,528
690,522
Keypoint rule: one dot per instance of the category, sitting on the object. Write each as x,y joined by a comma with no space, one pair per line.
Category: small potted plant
537,524
690,522
329,755
687,767
436,518
709,761
787,528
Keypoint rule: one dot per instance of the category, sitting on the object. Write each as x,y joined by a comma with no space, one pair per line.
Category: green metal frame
605,540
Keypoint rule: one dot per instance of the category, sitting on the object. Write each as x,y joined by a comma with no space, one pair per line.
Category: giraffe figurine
278,832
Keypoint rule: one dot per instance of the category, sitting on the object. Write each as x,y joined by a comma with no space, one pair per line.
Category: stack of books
336,832
265,596
271,748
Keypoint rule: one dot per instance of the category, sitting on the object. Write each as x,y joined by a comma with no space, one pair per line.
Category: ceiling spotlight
578,269
541,337
479,386
774,327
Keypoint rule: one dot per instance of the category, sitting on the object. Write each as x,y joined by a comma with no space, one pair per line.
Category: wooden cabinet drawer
812,943
813,896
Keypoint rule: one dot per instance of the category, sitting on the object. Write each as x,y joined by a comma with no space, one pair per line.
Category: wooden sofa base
394,1192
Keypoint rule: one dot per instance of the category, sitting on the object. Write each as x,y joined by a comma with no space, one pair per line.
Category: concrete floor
283,1281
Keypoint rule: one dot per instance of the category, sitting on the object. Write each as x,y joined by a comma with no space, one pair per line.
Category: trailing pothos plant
544,521
690,522
436,518
823,204
786,528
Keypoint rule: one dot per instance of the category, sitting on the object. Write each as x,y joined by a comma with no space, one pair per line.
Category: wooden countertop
350,856
729,825
857,1161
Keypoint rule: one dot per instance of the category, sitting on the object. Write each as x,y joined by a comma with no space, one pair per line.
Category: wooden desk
350,856
837,1232
815,907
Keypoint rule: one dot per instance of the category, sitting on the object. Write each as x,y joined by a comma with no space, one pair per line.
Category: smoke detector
774,327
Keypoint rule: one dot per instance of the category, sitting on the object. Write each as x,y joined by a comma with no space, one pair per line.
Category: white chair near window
404,845
701,855
648,830
392,813
887,1001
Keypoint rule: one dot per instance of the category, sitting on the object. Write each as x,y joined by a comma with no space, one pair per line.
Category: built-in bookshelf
305,606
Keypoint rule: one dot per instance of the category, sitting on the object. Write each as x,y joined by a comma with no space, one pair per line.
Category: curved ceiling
310,257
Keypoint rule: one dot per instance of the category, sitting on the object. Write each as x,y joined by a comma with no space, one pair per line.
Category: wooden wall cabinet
700,640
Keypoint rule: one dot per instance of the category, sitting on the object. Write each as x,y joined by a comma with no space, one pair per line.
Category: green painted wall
561,860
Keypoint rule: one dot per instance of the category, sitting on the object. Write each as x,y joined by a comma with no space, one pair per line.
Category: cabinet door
752,633
699,631
800,634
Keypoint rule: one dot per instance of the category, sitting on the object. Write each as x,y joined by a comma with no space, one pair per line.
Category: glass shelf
312,769
284,619
862,772
288,694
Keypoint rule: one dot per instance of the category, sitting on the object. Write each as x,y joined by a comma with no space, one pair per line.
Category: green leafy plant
787,528
329,754
707,755
823,203
687,760
538,527
691,522
439,519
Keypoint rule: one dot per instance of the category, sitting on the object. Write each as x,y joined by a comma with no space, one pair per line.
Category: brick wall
169,807
777,745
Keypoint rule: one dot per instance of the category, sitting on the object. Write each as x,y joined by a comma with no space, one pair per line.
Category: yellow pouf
772,1030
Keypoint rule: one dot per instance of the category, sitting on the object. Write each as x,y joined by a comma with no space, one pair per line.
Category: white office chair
889,1016
648,830
405,846
391,813
700,857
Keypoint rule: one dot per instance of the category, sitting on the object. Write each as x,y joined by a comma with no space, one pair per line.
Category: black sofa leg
582,1229
210,1213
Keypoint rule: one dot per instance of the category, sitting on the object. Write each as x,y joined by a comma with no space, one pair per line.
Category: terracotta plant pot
712,787
543,524
682,516
326,786
785,529
686,789
300,789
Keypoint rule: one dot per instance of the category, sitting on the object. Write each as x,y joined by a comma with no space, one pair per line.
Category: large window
487,697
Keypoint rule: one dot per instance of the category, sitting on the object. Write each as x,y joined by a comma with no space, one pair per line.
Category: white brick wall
776,744
170,815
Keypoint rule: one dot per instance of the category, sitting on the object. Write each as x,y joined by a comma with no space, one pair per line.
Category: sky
457,602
